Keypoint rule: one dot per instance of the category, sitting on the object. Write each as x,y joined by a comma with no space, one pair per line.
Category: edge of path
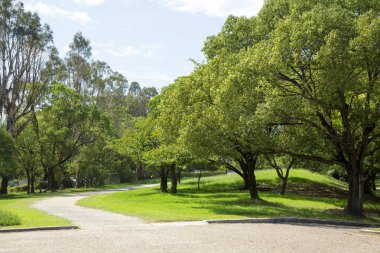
290,220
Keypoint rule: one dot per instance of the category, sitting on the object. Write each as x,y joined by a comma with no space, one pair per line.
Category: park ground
102,231
309,195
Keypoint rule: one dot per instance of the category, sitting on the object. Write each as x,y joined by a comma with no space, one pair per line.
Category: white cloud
90,2
215,8
124,52
57,12
146,51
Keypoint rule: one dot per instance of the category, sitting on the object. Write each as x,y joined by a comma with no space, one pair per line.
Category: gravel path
108,232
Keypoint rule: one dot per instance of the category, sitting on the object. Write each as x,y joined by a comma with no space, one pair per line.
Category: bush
9,219
42,185
20,188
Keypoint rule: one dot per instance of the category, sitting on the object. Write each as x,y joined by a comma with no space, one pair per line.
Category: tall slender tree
24,44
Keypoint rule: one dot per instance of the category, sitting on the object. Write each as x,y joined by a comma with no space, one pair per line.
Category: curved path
103,231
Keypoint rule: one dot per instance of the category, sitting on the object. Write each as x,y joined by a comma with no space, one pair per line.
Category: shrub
20,188
9,219
42,185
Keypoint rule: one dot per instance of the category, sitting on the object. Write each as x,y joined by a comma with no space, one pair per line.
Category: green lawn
19,206
309,195
15,210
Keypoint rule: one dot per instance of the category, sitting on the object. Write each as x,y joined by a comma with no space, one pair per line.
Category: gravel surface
108,232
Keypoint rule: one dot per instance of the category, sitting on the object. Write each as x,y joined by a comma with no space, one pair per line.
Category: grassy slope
310,195
20,214
19,205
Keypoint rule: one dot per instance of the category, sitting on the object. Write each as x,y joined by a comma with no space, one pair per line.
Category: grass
309,195
18,206
9,219
16,210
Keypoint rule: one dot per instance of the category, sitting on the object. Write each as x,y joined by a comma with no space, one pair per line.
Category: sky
148,41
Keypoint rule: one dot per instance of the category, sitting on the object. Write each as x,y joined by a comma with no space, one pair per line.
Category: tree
27,155
65,125
24,42
78,63
213,112
283,175
323,63
7,164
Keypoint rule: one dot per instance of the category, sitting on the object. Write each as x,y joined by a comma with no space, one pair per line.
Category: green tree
213,111
27,155
78,63
323,63
24,42
7,164
65,125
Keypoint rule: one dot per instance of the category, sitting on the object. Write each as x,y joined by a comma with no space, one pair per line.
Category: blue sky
149,41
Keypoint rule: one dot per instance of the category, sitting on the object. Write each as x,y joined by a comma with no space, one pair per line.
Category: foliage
7,150
8,219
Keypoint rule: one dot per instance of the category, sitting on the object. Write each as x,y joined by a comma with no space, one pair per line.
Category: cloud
147,51
90,2
215,8
57,12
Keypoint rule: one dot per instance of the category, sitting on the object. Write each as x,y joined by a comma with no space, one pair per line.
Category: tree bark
355,191
173,176
248,167
242,173
32,182
28,178
51,184
140,172
164,180
4,185
283,186
179,175
199,180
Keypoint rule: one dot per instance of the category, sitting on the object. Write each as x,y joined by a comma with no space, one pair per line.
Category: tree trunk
179,175
173,176
28,179
140,172
283,186
164,180
250,166
32,182
51,184
246,179
199,180
355,191
4,185
253,186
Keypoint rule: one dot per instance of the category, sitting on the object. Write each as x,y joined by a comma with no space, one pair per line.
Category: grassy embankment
309,195
16,210
20,214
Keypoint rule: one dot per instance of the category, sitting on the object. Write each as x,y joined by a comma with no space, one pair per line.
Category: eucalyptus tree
78,63
24,45
7,152
323,63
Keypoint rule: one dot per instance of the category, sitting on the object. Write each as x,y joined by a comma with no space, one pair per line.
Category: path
108,232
